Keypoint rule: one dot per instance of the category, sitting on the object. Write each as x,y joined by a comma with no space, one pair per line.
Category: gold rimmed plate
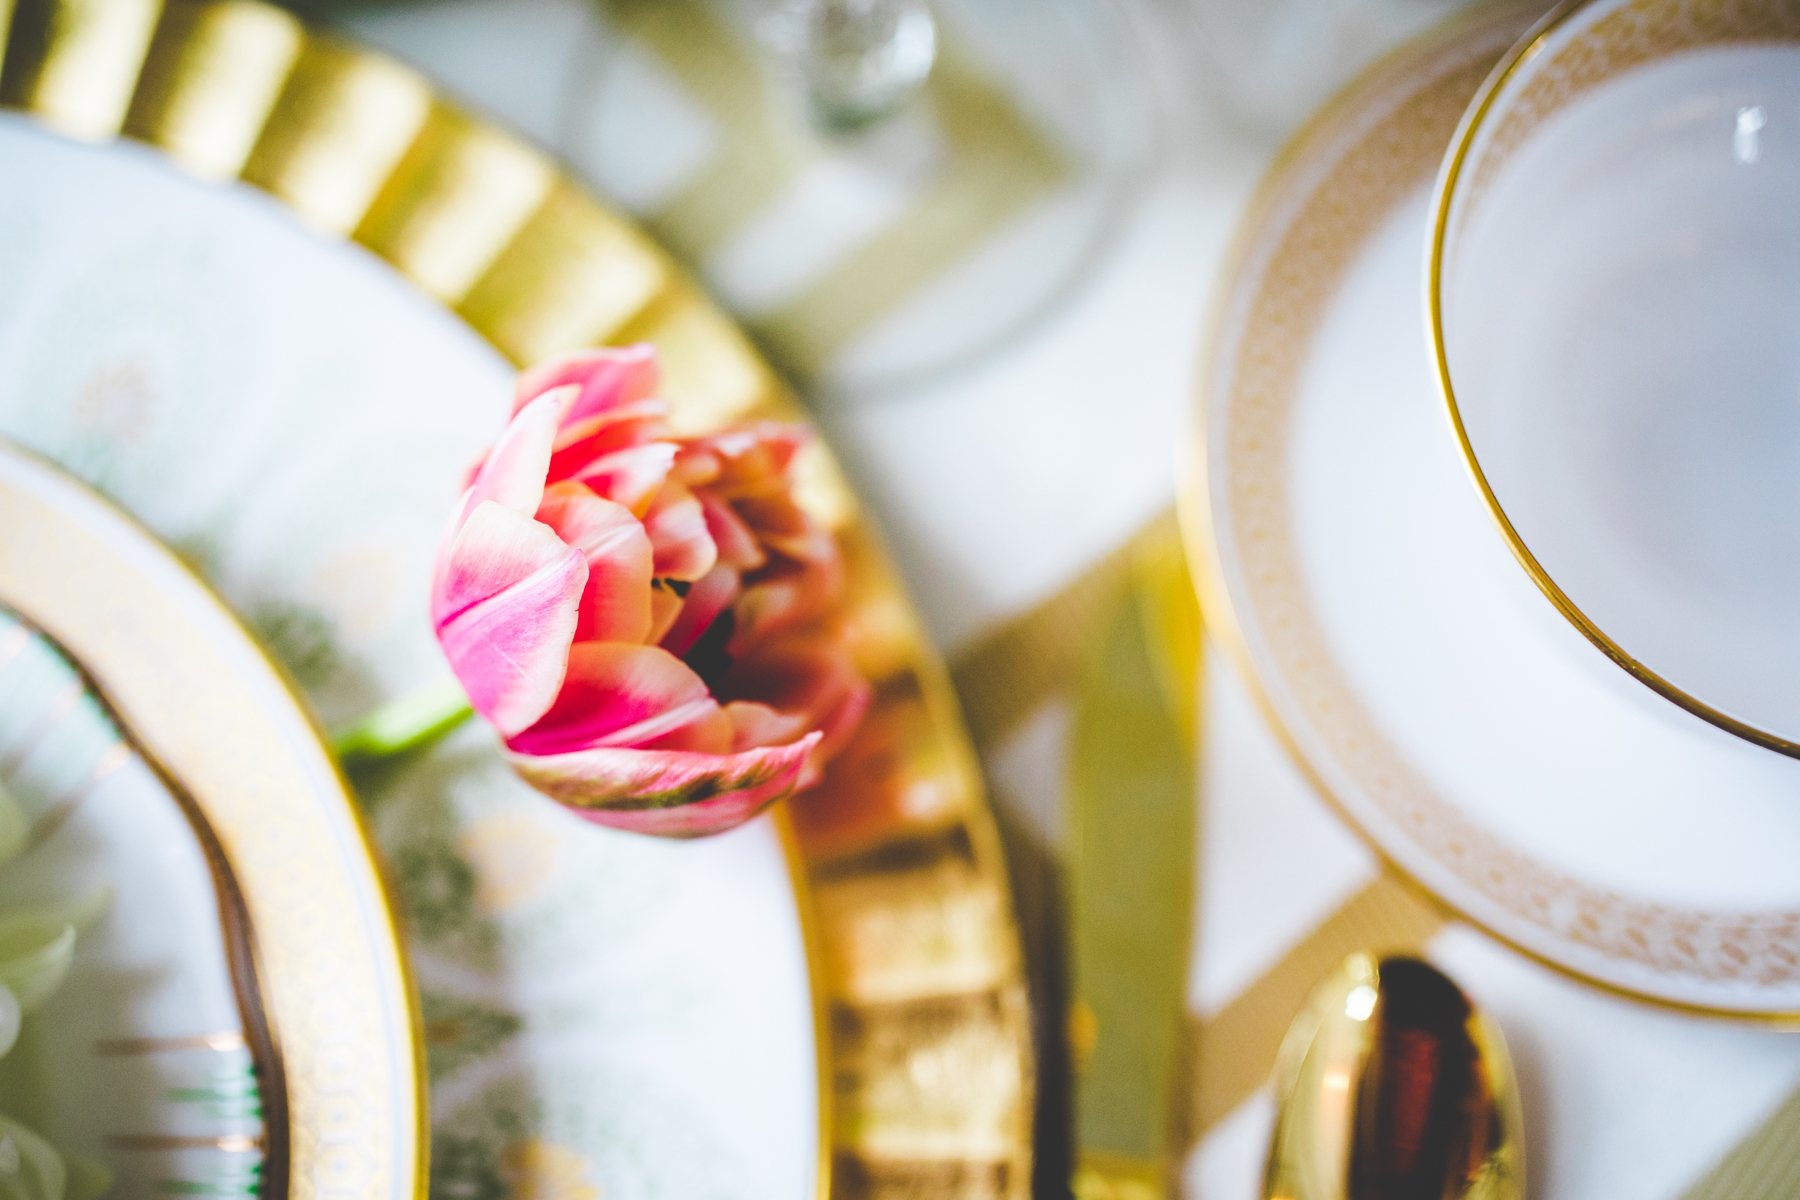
266,291
1393,640
238,1015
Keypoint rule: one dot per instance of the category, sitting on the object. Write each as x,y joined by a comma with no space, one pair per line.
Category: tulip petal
615,605
581,442
754,724
613,423
668,793
513,474
812,679
617,695
714,733
630,477
783,598
737,545
782,526
666,607
608,378
752,459
696,467
494,549
839,724
677,527
708,598
509,601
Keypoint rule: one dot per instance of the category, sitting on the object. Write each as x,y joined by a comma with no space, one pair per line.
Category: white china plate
1419,677
182,814
604,1014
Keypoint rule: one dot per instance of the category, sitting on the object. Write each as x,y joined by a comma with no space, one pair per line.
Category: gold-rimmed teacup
1613,300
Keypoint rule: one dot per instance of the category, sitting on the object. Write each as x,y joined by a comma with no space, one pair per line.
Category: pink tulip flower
648,621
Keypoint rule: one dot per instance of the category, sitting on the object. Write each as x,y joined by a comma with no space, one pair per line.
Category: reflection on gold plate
925,1060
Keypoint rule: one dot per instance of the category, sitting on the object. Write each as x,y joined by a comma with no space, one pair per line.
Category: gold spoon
1392,1085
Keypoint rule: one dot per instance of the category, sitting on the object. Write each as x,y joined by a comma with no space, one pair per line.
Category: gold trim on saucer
1631,35
359,146
1331,188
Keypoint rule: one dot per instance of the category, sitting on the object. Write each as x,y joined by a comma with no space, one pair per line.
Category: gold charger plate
925,1056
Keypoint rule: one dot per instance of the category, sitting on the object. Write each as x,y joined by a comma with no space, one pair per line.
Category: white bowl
1613,294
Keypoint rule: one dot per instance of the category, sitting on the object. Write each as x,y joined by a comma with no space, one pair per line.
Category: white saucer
1417,675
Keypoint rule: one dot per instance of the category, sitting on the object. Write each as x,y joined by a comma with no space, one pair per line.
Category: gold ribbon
1764,1166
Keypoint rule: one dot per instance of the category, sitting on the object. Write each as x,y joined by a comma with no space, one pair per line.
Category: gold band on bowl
1612,46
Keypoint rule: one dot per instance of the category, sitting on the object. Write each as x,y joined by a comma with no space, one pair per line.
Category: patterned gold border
1331,189
257,1038
1537,79
917,950
329,1008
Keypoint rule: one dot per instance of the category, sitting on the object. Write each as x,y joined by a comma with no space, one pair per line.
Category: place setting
465,733
264,287
1485,501
1452,710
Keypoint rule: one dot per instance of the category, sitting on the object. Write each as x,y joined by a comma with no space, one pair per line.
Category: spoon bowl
1392,1085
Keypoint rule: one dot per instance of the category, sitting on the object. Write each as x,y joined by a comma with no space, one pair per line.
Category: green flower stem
412,722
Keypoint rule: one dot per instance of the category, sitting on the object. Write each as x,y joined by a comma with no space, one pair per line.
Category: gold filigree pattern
195,694
1630,36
